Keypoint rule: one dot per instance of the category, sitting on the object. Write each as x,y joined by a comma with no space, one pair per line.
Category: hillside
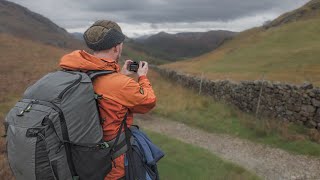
288,50
182,45
23,62
21,22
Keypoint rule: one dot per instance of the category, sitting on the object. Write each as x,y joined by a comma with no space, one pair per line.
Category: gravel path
266,162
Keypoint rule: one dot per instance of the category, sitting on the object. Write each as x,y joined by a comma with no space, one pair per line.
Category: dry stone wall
300,104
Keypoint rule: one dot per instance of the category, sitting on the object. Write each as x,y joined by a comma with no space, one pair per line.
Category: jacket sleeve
139,97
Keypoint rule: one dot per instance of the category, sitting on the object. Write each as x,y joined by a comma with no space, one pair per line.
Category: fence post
260,94
200,88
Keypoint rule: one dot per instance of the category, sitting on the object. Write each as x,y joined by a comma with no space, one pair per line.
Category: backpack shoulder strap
95,74
92,75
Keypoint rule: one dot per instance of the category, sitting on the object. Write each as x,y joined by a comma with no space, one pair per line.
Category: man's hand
124,69
143,68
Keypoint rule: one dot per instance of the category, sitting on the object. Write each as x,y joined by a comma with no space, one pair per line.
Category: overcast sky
142,17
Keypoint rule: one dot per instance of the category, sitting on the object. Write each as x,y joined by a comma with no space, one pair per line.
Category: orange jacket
120,94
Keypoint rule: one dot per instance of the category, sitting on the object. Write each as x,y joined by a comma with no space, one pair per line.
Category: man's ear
116,48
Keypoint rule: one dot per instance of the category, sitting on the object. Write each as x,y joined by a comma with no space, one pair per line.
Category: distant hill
182,45
285,49
21,22
142,38
130,51
78,36
164,48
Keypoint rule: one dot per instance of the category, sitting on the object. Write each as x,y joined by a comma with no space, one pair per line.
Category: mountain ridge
24,23
309,10
183,45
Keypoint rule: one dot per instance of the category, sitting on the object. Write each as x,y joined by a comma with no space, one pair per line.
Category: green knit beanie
103,34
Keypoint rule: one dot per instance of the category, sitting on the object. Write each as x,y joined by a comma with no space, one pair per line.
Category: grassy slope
289,52
180,104
184,161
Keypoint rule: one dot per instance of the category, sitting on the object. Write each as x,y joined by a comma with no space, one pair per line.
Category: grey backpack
54,132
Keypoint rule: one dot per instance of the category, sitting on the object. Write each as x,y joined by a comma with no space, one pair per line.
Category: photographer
120,95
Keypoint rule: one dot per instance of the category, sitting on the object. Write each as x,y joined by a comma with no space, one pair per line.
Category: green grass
289,46
185,161
183,105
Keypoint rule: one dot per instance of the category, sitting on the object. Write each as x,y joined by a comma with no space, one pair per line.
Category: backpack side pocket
92,162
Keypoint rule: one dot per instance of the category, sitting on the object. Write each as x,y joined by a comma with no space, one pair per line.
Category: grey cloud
78,13
159,11
154,26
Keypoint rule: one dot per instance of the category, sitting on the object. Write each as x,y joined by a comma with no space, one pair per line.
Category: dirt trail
266,162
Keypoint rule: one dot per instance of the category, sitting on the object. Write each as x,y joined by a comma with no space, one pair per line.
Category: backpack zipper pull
28,108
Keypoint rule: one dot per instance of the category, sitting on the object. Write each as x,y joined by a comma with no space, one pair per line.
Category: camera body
133,66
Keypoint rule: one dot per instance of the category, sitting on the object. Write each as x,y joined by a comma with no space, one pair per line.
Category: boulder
315,102
311,124
306,86
317,116
308,108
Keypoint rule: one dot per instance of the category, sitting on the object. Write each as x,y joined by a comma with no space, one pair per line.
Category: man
120,93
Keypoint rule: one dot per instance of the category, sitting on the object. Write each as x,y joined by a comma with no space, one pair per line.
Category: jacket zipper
70,86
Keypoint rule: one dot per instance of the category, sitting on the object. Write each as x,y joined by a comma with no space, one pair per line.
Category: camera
133,66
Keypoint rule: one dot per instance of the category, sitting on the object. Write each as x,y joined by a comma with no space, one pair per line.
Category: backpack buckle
97,96
104,145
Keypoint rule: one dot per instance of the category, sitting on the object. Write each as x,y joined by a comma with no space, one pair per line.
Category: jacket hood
82,61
